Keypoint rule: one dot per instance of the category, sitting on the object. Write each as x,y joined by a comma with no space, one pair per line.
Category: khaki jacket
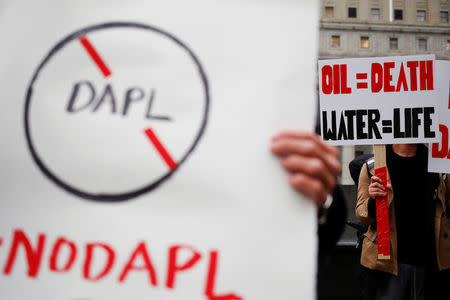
369,255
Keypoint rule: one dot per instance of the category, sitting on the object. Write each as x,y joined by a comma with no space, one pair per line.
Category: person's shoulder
370,164
368,169
357,165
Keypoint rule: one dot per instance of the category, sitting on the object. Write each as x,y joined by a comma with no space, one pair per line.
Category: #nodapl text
64,253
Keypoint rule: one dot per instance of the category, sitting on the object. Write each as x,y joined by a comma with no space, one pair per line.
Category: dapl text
65,254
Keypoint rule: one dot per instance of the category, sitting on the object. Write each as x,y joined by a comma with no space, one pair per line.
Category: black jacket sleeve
330,231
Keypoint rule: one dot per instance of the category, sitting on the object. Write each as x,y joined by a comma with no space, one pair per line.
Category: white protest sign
439,153
382,100
135,149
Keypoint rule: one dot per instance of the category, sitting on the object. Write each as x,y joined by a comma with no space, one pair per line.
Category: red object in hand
384,242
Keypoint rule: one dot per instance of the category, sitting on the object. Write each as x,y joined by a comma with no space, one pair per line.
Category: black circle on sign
105,197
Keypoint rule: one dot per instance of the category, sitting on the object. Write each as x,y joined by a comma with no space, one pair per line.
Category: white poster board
382,100
439,154
135,149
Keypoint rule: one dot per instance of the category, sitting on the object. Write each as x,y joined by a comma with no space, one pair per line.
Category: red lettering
449,95
376,77
33,256
327,80
336,80
174,267
344,88
142,251
388,77
55,252
402,80
211,281
426,75
88,261
412,65
435,152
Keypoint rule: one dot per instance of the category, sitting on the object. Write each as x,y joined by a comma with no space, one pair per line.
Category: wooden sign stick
382,204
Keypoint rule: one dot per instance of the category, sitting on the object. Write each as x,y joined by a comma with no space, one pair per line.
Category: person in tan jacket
419,263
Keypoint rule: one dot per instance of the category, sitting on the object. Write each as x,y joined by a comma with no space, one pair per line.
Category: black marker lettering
329,133
74,96
397,131
408,123
416,122
427,122
373,119
360,124
107,93
342,129
350,114
149,108
131,96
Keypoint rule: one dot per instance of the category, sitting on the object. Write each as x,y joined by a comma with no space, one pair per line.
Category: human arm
313,167
332,226
365,203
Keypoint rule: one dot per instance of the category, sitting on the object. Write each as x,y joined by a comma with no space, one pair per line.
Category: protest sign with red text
382,100
135,149
439,153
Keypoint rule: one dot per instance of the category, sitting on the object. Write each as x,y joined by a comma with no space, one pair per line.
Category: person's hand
313,165
376,188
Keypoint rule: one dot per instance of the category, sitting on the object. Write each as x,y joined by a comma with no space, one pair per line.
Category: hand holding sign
313,165
376,188
147,110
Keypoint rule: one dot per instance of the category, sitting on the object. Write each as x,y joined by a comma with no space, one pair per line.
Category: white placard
382,100
439,153
135,149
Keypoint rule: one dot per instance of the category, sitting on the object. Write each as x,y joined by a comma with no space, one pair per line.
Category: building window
364,42
335,41
444,16
421,16
329,11
352,12
375,13
398,14
448,45
393,43
423,44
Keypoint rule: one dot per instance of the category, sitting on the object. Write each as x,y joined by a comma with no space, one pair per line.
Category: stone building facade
361,28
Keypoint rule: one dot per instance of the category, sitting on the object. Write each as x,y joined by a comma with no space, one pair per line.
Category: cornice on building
423,29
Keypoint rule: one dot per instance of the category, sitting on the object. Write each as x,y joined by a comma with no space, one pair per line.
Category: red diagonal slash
160,148
95,56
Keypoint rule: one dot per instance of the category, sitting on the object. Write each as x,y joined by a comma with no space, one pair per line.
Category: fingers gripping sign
376,188
313,165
